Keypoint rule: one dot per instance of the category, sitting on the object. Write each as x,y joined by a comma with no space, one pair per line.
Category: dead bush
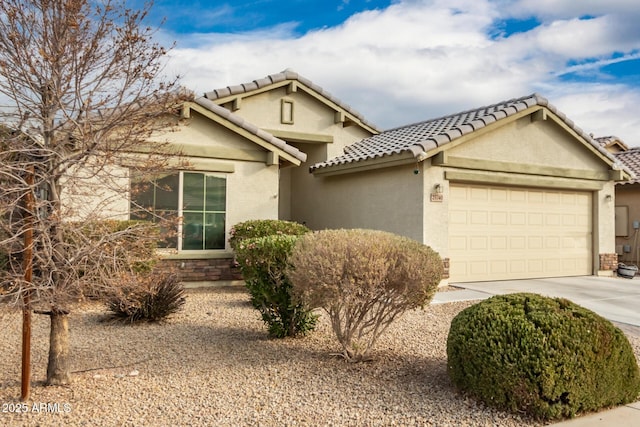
364,280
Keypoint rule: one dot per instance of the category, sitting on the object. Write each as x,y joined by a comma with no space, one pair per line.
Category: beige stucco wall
96,194
312,119
629,196
436,213
252,193
310,116
385,199
200,137
606,218
528,142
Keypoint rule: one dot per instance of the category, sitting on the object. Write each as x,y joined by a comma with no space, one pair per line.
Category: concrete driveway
616,299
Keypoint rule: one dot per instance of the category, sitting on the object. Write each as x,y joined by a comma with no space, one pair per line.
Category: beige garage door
499,233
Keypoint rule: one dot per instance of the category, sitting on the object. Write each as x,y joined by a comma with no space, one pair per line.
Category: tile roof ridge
631,150
286,74
422,137
538,100
249,127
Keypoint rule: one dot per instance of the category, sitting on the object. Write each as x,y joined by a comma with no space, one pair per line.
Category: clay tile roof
251,128
606,140
419,138
630,159
285,75
612,143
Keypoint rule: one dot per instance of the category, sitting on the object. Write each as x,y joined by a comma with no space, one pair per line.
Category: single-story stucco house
510,190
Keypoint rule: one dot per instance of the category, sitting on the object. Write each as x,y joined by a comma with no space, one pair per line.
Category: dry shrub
364,280
147,297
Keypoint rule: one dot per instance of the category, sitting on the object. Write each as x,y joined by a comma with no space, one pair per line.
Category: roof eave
380,162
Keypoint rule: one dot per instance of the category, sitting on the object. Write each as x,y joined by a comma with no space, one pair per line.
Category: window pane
149,196
168,221
193,192
193,231
141,199
203,211
167,192
214,231
216,193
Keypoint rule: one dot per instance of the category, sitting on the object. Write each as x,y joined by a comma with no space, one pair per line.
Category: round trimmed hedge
547,357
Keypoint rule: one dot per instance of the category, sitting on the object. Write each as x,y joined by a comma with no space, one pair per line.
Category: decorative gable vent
286,111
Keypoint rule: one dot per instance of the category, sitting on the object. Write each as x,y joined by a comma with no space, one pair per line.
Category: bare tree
82,85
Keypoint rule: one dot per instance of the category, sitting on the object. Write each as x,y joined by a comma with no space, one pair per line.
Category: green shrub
148,298
264,261
264,227
364,280
546,357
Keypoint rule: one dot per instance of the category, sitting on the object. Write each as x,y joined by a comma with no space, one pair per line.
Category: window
199,199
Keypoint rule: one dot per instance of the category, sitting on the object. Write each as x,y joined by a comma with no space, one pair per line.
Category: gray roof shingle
424,136
631,159
611,141
285,75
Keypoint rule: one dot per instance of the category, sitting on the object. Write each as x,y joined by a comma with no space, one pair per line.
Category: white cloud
563,9
417,60
601,109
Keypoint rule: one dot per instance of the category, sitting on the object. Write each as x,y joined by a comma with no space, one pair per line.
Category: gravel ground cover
213,364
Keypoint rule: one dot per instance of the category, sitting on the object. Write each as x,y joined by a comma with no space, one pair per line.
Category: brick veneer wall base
199,270
445,263
608,262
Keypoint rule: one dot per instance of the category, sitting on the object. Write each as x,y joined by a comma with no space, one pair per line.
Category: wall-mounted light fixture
437,189
608,198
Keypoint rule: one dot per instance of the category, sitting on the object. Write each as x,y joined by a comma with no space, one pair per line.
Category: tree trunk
58,369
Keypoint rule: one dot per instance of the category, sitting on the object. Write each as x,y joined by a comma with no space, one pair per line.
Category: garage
501,233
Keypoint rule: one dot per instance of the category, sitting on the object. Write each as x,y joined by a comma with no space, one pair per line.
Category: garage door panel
499,267
499,218
478,243
498,233
478,267
518,218
477,193
517,267
517,242
535,219
536,242
479,218
458,217
552,242
556,265
517,195
553,220
535,266
498,243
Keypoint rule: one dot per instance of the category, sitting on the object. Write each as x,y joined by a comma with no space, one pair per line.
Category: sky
403,61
